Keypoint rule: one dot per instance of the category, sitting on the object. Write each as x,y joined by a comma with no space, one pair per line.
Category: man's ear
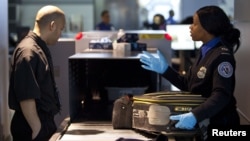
52,25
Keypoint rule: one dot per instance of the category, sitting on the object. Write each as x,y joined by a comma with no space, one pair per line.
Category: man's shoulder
26,41
27,47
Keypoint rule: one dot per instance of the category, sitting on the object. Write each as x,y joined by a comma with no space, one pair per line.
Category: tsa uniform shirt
212,76
104,26
171,20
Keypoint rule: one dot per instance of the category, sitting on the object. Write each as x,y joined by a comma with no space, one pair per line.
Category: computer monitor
181,39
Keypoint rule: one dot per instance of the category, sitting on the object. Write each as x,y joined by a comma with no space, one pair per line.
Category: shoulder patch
225,69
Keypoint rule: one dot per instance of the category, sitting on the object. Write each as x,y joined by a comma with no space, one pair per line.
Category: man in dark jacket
32,90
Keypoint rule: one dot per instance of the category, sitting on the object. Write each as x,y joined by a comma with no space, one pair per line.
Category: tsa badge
225,69
202,72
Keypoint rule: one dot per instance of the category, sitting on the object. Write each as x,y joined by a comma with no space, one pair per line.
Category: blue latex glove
186,121
152,63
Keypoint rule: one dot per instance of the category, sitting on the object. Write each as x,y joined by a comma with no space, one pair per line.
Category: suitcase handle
171,125
178,95
168,93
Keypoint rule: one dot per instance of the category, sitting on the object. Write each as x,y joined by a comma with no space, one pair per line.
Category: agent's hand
186,121
156,64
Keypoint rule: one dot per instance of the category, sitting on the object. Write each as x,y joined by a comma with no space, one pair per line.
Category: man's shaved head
47,14
50,22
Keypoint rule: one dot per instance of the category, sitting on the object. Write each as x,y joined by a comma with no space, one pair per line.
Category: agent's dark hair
214,20
104,12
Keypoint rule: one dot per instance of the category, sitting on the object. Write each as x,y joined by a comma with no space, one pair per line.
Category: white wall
188,7
27,14
4,68
242,90
90,10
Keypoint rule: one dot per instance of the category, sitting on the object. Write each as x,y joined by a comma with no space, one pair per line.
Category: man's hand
29,111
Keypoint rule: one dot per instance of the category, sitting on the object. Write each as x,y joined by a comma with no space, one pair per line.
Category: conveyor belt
98,131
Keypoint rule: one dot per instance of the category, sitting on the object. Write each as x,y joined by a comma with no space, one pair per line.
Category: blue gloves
186,121
152,63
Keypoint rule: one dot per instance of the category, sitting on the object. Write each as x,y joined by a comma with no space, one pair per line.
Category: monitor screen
181,39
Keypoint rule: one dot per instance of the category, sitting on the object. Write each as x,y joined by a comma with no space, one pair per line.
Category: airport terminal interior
93,68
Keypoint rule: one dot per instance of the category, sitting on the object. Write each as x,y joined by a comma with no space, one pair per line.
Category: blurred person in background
105,22
170,19
158,22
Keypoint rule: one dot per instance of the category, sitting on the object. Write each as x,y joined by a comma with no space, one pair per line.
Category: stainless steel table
97,131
